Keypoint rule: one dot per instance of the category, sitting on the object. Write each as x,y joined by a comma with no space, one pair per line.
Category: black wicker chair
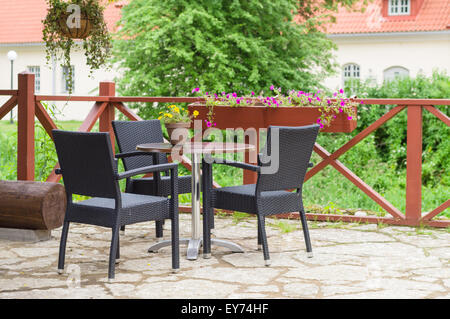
88,168
271,194
129,134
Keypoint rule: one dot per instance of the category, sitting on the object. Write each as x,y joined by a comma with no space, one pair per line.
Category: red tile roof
432,15
20,20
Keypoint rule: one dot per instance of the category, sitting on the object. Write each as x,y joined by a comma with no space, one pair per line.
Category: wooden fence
107,103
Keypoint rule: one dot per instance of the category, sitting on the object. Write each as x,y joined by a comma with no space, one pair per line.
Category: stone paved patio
350,261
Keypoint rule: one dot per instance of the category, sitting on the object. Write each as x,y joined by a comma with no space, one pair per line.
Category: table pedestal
194,243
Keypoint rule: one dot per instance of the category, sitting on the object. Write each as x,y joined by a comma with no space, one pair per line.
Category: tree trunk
31,205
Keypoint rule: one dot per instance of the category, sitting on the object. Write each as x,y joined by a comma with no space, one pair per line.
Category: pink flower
329,102
342,103
334,94
318,120
340,110
271,87
253,93
234,95
349,117
341,91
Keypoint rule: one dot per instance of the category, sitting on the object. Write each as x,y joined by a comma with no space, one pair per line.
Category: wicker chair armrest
147,169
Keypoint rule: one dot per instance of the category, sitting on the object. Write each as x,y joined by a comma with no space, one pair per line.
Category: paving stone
350,261
336,274
331,290
264,288
256,259
91,292
227,274
246,295
186,289
300,290
440,273
349,236
390,249
443,252
34,252
27,283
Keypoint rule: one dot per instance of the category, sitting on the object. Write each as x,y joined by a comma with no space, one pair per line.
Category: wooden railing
106,104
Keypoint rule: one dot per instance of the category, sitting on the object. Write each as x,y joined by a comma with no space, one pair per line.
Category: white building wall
374,53
52,79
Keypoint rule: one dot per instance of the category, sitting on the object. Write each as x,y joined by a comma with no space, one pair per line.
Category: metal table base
194,246
194,243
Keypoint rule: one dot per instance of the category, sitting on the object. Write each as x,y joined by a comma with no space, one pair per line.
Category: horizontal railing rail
105,105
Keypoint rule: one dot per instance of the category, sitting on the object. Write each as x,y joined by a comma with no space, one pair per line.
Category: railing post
413,211
108,115
25,127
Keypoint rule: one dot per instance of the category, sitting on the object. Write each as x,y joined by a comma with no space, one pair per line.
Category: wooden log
32,205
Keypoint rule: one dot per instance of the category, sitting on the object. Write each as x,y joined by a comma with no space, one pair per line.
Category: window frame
399,5
37,76
404,72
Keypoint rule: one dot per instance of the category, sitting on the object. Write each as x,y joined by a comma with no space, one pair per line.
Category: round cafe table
196,149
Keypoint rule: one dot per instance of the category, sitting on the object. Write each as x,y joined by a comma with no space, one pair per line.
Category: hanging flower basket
76,33
60,28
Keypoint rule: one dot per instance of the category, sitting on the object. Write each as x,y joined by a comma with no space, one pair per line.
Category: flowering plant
329,106
176,114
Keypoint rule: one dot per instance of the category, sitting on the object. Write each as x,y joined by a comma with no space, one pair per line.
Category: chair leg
262,230
159,229
118,249
206,232
309,252
113,252
62,247
259,238
122,228
175,245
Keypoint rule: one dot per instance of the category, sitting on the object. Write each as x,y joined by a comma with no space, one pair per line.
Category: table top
196,147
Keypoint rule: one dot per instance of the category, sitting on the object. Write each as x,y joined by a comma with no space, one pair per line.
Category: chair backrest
295,146
87,163
129,134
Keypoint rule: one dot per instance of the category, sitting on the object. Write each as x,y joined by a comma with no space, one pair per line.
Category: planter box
262,116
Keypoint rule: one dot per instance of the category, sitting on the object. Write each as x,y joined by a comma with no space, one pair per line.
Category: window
395,72
36,70
66,84
350,71
399,7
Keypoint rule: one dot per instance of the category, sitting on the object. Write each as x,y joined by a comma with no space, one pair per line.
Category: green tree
166,48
